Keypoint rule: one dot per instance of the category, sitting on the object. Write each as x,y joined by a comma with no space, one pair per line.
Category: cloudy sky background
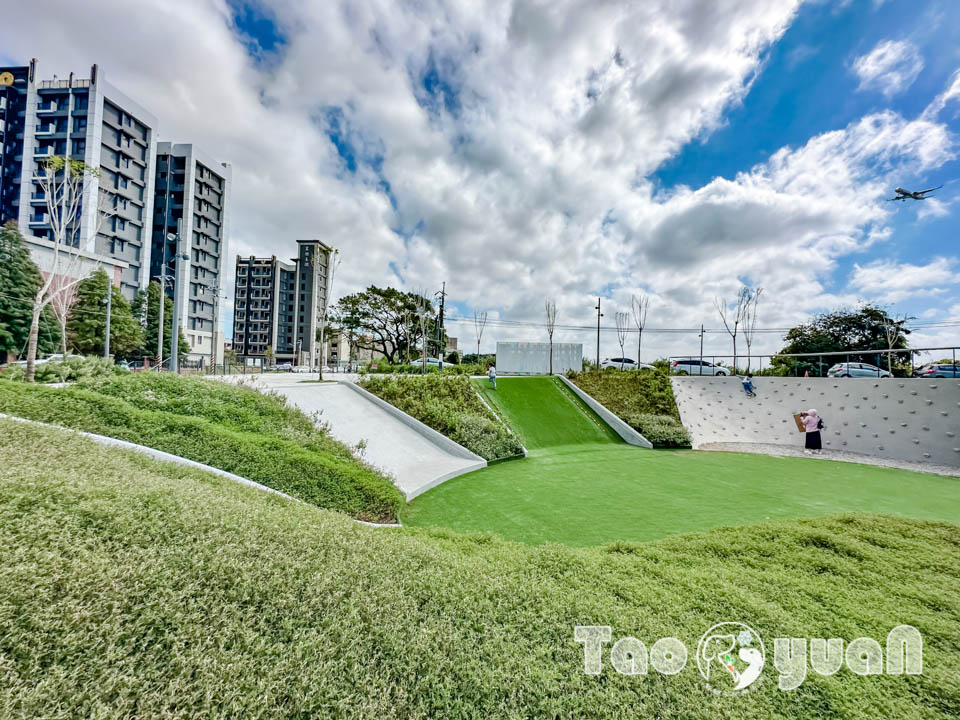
522,149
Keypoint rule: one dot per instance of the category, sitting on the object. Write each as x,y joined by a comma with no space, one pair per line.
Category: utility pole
175,325
106,342
213,340
599,315
440,348
701,348
163,263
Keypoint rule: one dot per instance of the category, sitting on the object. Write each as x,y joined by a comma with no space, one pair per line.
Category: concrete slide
413,458
896,419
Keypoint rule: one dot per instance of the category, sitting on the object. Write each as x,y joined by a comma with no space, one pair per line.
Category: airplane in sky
908,195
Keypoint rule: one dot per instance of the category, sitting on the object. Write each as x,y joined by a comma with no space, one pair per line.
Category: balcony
46,129
37,198
43,151
39,219
50,107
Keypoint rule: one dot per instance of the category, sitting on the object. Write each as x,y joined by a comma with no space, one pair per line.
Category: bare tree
733,319
550,306
639,306
750,323
61,181
479,323
623,325
893,330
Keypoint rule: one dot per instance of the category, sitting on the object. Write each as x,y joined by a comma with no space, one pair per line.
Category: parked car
937,370
857,370
431,362
285,367
624,364
302,369
697,367
56,357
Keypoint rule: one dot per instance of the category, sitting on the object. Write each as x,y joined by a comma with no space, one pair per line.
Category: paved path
414,462
838,455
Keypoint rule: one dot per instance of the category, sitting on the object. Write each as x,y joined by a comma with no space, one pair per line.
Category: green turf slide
545,414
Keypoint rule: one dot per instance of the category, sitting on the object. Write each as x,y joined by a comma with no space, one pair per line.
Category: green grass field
131,588
581,487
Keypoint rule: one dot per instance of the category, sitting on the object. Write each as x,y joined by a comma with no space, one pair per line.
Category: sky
523,150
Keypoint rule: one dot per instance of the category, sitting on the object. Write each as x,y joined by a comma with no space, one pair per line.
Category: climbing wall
902,419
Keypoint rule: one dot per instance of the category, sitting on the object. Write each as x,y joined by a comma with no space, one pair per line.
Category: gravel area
836,455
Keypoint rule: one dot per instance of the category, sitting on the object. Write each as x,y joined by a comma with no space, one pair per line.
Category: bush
641,398
193,418
450,405
662,430
69,370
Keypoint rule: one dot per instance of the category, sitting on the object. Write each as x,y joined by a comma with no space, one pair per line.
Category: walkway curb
629,435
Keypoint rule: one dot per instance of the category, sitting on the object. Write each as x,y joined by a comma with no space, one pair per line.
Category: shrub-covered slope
449,405
132,588
642,398
232,428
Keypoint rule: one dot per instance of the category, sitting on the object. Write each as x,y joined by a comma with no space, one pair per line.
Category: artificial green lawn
133,588
599,490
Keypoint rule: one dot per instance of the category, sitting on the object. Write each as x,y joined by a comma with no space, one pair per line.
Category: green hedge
641,398
69,370
449,405
293,458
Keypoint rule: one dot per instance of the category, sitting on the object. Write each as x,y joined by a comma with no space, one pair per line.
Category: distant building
190,184
279,305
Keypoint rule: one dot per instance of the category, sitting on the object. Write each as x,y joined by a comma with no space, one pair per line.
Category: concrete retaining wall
902,419
621,428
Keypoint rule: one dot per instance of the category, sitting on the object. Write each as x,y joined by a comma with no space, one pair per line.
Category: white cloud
527,177
891,67
890,281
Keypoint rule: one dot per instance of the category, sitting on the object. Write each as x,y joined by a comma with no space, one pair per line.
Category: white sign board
531,358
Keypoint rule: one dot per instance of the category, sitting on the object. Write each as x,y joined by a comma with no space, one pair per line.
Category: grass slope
597,491
232,428
544,413
132,588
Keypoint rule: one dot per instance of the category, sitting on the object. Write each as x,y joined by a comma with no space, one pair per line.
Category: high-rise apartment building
14,83
118,228
192,193
92,121
280,305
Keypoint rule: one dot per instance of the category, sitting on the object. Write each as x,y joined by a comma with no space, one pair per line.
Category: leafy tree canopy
386,320
146,306
87,323
863,328
19,281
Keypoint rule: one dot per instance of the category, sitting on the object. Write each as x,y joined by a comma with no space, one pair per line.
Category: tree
734,317
551,309
387,320
87,323
268,354
479,323
639,306
61,180
861,332
146,306
750,324
19,282
622,320
334,263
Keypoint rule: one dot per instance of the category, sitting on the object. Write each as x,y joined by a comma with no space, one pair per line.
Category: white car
697,367
624,364
302,369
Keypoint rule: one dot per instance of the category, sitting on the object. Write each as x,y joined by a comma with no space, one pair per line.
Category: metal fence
896,361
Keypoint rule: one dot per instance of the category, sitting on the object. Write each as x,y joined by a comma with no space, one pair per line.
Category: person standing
748,385
492,376
812,425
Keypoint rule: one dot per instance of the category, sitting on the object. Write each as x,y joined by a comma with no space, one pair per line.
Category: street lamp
599,315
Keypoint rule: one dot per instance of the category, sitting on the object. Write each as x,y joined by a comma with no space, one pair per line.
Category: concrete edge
440,479
502,421
438,439
168,457
674,382
629,435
